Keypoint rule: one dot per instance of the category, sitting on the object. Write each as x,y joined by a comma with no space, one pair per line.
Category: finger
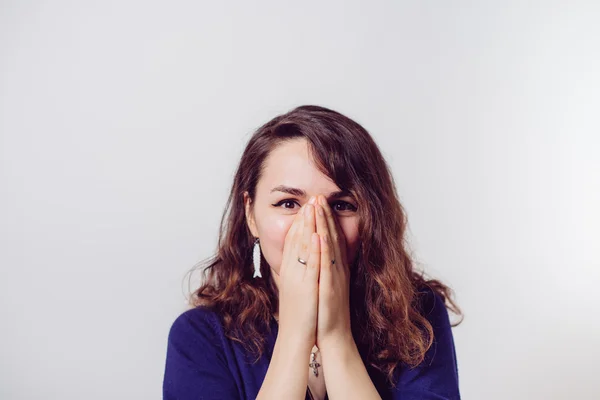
314,259
290,246
307,230
325,276
295,227
333,231
323,231
322,227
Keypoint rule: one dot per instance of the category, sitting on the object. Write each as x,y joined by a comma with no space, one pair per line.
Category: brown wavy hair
387,323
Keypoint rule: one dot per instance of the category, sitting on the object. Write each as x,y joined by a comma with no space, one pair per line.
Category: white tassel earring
256,258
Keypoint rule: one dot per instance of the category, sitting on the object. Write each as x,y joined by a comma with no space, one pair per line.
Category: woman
312,293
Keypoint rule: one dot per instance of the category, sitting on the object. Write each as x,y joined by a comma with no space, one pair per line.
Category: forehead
291,164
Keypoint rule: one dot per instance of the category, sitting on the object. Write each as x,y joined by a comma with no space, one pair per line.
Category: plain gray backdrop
121,123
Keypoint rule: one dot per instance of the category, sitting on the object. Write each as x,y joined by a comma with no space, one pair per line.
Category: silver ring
301,261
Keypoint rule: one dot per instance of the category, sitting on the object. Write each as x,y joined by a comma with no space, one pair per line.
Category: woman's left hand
333,320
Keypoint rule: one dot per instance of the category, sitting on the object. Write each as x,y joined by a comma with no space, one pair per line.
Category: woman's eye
338,206
344,206
286,202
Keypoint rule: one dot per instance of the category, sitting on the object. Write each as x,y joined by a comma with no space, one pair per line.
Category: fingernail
320,210
312,200
322,200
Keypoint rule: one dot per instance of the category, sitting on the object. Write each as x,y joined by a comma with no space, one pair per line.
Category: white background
121,123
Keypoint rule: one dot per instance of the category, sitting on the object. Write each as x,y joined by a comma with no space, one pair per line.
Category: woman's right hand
299,283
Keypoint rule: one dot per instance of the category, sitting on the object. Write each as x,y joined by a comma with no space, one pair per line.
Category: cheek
273,230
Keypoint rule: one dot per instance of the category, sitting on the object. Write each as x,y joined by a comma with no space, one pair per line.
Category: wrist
292,340
336,342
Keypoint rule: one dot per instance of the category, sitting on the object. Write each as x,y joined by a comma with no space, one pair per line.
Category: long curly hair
387,322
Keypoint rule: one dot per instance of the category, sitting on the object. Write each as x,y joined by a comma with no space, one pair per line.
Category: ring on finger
301,261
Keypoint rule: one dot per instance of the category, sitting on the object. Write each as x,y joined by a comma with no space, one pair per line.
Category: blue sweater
202,363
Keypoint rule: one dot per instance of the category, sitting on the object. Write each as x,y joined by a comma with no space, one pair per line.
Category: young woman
312,293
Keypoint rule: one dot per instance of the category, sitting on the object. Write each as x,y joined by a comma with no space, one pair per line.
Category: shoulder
432,306
197,359
437,375
197,326
199,315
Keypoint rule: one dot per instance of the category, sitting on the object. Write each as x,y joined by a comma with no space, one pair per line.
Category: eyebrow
301,193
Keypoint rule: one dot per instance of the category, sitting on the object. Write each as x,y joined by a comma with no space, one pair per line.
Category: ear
250,215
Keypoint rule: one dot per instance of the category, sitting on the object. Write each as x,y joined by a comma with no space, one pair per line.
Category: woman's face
289,165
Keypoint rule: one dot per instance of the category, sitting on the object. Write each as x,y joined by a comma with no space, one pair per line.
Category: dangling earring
256,258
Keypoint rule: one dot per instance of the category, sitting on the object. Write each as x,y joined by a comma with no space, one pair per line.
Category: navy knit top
202,363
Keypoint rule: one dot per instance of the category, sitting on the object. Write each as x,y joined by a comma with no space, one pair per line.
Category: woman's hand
299,283
333,321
